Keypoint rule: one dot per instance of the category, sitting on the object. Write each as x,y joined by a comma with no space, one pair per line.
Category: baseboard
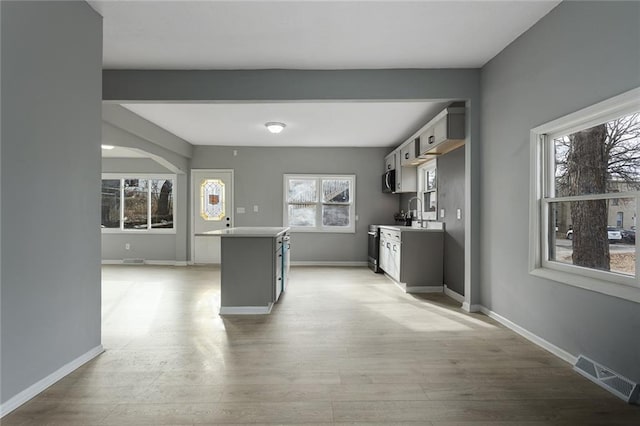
246,310
326,263
423,289
471,308
166,262
452,294
560,353
33,390
147,262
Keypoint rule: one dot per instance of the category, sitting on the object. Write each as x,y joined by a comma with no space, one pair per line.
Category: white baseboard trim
246,310
147,262
166,262
560,353
33,390
424,289
326,263
471,308
452,294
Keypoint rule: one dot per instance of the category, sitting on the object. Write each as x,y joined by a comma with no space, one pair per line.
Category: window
137,203
585,177
319,203
427,187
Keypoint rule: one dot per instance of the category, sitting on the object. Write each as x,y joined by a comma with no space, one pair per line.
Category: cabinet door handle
406,155
394,248
388,245
432,139
389,166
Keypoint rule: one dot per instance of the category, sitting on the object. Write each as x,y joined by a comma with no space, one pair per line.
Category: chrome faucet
417,204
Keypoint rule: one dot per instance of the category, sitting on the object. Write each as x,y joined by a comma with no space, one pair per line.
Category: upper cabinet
409,153
444,133
390,162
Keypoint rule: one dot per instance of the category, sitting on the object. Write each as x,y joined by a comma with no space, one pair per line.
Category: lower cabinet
414,259
252,273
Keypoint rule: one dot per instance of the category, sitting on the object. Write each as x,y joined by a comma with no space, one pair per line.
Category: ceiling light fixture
275,127
106,146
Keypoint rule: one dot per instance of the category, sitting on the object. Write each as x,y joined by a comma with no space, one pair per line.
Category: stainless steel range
374,248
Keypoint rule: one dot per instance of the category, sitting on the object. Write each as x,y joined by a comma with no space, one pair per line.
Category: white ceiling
311,34
308,123
210,34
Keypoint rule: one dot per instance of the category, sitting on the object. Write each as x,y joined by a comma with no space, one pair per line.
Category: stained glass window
212,202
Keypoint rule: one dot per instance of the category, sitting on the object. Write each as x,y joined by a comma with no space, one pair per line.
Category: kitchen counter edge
247,231
409,228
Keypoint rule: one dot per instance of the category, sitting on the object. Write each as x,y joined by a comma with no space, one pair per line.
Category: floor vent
611,381
133,261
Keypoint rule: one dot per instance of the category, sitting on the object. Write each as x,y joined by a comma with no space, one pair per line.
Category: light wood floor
342,346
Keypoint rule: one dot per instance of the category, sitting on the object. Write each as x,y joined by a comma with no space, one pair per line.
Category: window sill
138,231
621,291
320,231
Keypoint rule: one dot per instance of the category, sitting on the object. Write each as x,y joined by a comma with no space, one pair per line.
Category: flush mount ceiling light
275,127
106,146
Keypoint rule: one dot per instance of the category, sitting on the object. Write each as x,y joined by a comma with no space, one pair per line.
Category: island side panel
422,258
247,271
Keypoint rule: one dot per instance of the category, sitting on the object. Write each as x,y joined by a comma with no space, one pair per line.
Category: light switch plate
255,208
240,210
441,212
459,214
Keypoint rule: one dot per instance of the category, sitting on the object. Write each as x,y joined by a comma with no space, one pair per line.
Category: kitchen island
253,269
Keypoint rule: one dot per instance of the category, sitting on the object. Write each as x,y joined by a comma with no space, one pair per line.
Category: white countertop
247,231
411,228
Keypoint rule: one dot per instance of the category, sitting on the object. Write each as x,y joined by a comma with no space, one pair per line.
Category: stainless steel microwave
389,181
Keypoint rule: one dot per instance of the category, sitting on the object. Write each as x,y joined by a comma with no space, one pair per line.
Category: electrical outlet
255,208
127,246
441,212
459,214
240,210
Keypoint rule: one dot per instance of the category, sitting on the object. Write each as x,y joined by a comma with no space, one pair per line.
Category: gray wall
450,198
146,246
51,113
122,128
273,85
579,54
258,179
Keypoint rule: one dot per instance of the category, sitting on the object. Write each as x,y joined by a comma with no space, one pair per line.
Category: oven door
374,250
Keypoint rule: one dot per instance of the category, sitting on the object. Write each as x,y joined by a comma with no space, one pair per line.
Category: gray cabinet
409,153
390,162
413,258
405,175
252,272
445,132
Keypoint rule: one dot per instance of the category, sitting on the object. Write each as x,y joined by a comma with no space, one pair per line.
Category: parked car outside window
628,236
614,234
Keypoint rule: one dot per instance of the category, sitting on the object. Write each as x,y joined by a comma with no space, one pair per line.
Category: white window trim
351,229
609,283
147,231
427,166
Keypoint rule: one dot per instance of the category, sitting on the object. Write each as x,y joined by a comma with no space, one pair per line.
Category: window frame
129,176
351,229
541,184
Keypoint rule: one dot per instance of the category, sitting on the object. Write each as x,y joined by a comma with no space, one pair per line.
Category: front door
212,195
